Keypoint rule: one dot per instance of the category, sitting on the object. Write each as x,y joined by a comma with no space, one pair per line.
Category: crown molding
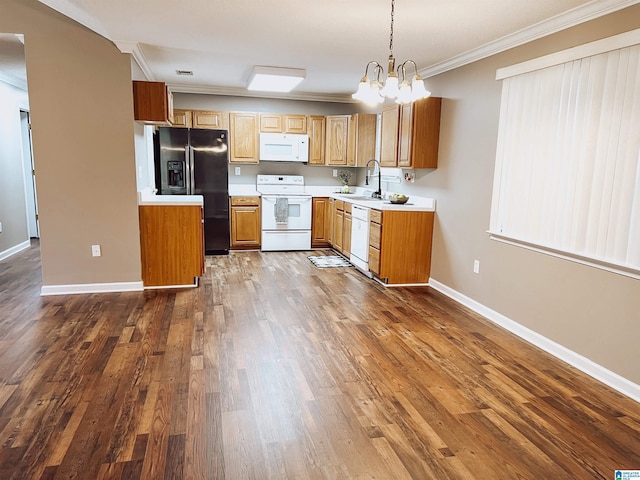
242,92
555,24
70,9
135,51
13,81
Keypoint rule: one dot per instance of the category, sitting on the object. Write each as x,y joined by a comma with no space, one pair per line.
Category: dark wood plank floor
275,369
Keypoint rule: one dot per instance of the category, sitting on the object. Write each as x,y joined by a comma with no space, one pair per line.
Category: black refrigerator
194,161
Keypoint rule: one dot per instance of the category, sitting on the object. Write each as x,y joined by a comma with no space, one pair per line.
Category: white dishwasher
360,238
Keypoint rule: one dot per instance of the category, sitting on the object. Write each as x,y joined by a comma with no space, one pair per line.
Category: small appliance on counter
193,161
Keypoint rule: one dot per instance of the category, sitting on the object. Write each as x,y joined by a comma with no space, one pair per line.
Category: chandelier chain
393,4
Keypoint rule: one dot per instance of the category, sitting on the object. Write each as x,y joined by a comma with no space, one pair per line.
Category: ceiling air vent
184,72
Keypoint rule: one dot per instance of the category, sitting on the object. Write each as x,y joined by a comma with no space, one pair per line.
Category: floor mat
328,261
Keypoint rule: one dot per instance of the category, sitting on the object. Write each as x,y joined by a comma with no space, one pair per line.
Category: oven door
298,215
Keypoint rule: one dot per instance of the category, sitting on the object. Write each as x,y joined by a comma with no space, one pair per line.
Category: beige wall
81,112
590,311
13,214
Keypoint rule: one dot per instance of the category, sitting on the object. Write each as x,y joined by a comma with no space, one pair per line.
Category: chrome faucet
377,193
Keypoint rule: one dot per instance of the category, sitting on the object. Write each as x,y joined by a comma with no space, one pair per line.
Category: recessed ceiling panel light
275,79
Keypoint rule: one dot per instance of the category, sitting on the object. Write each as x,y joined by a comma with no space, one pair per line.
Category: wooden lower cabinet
341,228
320,222
245,223
346,231
171,244
330,214
400,245
338,225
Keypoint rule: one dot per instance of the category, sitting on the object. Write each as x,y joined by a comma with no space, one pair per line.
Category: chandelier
374,91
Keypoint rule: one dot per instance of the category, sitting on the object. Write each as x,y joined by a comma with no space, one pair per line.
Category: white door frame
28,168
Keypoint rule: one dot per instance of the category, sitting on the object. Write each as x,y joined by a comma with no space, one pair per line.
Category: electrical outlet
335,172
237,170
95,251
476,266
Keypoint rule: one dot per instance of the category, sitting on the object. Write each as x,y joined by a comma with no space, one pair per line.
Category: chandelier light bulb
364,87
404,93
417,88
390,89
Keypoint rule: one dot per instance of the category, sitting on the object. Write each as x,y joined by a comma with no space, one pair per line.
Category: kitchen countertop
243,190
360,197
148,198
415,204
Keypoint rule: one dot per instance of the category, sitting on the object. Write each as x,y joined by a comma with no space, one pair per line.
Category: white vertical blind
568,159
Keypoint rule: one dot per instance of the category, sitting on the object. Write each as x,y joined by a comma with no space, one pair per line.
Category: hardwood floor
275,369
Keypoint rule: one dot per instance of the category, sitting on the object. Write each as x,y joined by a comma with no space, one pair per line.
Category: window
567,179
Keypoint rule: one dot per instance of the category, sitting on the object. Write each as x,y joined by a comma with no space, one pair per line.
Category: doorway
29,170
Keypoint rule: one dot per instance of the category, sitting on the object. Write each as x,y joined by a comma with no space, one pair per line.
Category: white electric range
286,212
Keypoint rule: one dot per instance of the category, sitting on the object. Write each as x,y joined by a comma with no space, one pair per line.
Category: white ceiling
12,66
332,39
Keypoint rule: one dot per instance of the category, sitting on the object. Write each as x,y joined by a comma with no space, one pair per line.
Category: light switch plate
95,250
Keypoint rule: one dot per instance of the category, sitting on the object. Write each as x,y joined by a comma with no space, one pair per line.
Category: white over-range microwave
282,147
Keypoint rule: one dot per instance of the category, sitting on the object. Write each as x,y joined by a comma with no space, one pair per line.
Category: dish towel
282,210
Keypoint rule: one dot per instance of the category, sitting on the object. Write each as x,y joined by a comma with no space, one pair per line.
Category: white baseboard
15,249
612,379
91,288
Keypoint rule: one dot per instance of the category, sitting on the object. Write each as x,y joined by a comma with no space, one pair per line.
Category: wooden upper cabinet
419,133
152,103
210,119
283,123
271,123
243,133
362,139
410,134
317,126
295,124
181,118
389,136
337,139
201,119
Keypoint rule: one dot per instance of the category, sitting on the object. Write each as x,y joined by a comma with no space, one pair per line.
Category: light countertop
146,197
360,196
415,204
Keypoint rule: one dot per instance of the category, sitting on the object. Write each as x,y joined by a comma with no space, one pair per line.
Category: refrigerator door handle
187,163
192,172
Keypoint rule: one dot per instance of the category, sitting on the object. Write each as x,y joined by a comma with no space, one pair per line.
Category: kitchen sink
361,198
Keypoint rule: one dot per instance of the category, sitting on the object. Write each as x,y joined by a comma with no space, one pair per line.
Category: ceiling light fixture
275,79
374,91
